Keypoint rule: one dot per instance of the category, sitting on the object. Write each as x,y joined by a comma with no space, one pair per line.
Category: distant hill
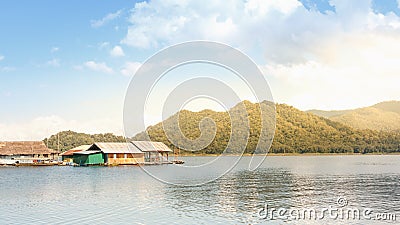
389,106
67,140
296,132
328,114
384,116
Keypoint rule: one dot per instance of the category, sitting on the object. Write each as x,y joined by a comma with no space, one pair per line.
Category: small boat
8,162
178,162
176,156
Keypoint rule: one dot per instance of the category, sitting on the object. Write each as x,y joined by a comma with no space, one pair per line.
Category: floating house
119,153
67,156
26,152
114,153
86,158
154,152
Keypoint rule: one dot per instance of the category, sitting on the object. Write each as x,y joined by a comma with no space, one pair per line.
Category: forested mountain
384,116
296,132
66,140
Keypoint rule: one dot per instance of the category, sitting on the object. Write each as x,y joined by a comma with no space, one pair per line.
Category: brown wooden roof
70,152
24,148
151,146
76,149
116,147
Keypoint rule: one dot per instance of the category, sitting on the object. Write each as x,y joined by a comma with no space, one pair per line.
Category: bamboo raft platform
30,164
138,164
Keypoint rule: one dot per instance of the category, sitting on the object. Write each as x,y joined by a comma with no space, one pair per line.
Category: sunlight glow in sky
67,64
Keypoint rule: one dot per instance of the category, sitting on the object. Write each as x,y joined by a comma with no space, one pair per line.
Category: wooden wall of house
67,158
156,156
92,159
125,159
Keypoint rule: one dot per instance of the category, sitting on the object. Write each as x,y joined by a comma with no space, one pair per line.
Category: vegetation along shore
297,132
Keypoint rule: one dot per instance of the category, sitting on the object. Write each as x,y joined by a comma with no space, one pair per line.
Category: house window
115,156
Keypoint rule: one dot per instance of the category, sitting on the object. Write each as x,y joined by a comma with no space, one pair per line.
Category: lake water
128,195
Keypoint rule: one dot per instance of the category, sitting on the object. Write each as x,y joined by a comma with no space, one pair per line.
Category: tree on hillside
66,140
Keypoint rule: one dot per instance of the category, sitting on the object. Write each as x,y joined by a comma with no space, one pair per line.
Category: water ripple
126,195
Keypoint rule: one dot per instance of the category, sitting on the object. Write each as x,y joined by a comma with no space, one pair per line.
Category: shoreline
293,154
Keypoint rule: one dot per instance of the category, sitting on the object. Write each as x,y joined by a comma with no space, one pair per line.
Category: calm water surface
116,195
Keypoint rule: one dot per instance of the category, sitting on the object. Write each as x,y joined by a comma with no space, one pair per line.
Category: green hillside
328,114
384,116
67,140
296,132
370,118
389,106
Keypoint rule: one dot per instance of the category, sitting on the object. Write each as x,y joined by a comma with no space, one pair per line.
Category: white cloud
109,17
7,69
284,30
103,45
157,23
261,7
130,68
50,63
117,51
44,126
100,67
53,62
338,59
1,57
355,71
54,49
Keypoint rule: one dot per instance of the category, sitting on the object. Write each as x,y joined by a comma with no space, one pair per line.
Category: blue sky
67,64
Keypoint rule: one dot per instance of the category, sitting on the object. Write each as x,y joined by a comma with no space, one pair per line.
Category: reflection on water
43,195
